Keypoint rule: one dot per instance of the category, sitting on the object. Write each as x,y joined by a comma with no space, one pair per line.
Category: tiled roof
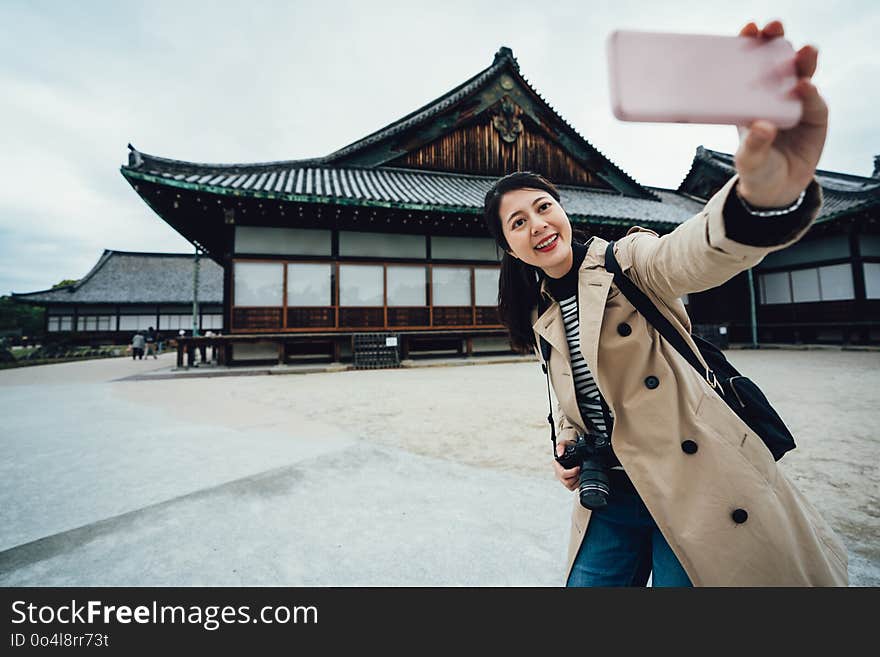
125,277
413,188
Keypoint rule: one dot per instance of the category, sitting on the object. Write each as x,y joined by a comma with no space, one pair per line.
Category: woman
697,498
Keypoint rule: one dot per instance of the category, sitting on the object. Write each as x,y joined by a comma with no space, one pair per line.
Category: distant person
211,334
151,342
137,346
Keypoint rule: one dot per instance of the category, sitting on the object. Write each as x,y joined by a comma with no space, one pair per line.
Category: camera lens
594,486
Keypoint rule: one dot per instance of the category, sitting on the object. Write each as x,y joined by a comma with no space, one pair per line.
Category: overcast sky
260,81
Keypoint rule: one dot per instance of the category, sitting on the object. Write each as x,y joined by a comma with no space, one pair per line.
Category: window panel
774,288
67,323
486,286
136,322
360,285
54,324
872,279
382,245
805,285
464,248
837,282
309,284
259,283
282,241
407,286
451,286
213,322
175,322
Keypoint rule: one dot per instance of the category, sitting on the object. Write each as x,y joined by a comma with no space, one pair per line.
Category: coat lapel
593,287
550,327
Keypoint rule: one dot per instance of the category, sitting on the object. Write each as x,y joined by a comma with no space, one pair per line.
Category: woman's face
531,218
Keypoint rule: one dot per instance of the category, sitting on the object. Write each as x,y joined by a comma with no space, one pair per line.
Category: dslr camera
592,452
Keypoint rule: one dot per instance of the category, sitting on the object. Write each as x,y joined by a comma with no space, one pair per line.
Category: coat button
740,516
652,382
624,329
689,447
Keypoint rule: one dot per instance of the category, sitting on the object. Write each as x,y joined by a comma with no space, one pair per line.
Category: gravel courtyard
106,477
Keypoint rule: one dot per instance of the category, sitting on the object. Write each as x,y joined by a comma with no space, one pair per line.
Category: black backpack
740,392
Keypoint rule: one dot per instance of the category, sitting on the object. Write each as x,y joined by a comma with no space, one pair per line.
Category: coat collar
594,284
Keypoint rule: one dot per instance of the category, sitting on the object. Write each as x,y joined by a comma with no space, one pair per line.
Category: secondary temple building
127,292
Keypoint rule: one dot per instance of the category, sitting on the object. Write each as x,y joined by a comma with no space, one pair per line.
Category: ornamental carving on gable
506,120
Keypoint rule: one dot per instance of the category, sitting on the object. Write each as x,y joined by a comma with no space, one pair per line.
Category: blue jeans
623,546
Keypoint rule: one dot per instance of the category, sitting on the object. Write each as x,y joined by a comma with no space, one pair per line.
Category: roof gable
499,108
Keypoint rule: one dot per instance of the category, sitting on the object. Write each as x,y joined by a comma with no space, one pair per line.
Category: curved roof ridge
73,287
581,137
504,57
138,158
94,270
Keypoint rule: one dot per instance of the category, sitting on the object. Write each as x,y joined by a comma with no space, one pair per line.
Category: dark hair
519,284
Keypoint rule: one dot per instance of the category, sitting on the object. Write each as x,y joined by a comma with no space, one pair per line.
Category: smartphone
701,78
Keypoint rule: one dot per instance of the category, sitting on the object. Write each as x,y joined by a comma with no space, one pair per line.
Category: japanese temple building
386,234
127,292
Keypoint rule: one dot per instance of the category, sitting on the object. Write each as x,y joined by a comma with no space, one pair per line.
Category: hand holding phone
700,78
775,160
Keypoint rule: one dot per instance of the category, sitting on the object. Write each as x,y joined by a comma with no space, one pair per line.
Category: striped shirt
585,387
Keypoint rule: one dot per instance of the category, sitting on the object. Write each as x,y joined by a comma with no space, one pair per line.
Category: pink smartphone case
699,78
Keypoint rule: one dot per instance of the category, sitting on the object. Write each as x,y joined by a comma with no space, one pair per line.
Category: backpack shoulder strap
649,311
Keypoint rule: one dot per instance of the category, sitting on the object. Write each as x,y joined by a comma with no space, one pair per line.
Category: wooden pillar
280,351
179,352
859,292
337,351
470,346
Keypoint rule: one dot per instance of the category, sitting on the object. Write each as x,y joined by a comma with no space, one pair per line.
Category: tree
19,316
64,283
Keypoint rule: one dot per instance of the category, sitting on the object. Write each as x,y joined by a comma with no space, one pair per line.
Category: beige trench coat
784,541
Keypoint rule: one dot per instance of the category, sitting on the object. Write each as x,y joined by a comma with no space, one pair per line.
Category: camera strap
545,353
649,311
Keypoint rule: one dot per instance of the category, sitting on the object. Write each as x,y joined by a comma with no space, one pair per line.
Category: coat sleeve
700,254
565,431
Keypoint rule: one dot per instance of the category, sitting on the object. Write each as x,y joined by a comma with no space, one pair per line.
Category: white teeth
547,242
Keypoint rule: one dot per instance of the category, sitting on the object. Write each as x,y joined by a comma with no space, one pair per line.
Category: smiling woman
535,208
524,215
671,482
